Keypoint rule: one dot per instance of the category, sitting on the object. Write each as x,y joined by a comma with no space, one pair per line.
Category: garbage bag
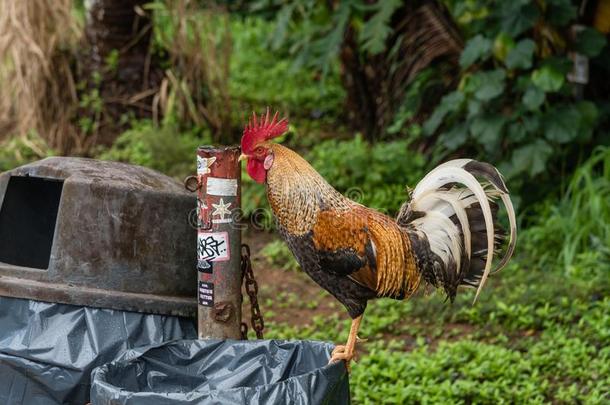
47,351
223,372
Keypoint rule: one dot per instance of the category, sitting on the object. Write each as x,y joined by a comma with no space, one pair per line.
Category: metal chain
258,324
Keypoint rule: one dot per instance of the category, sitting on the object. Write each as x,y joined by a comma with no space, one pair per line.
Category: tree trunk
376,85
121,75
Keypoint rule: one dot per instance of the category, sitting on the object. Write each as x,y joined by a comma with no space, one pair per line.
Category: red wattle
256,170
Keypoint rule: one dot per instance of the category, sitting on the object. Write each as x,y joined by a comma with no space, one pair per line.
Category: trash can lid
97,233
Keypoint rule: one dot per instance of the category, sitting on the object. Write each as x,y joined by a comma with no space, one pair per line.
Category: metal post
219,243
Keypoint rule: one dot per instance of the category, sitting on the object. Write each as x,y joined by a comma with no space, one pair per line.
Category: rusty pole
219,243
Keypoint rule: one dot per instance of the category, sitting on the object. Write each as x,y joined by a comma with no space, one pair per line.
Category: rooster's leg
347,352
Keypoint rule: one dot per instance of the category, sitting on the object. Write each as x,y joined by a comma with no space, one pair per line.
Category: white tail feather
512,220
444,233
453,202
442,176
439,205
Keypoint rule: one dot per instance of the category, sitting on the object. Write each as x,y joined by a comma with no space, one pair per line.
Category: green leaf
455,137
518,16
532,157
435,120
474,107
326,48
476,48
486,85
503,44
590,42
588,119
449,103
281,27
548,78
589,112
377,29
533,98
487,130
517,131
531,123
520,57
561,12
561,124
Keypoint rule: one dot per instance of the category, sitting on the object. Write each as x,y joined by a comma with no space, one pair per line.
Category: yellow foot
340,353
346,352
337,349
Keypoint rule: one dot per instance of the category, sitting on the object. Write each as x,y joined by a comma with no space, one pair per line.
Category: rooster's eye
259,150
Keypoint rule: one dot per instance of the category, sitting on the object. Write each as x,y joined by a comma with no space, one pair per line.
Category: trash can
222,372
95,258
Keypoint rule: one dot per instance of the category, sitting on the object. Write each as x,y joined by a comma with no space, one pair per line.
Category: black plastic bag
47,351
223,372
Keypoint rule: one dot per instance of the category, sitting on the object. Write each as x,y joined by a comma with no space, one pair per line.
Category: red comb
262,129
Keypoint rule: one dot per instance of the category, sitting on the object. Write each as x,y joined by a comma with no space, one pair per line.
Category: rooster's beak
242,157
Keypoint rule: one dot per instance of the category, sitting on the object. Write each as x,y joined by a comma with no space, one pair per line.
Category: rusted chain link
258,324
191,183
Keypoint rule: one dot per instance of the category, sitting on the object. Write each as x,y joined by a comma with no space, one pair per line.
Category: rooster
441,236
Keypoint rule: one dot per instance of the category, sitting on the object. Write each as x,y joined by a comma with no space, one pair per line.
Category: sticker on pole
206,294
203,164
221,211
213,247
222,187
205,266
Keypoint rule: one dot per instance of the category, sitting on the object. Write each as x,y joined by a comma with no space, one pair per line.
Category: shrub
574,231
514,103
19,150
374,175
261,78
165,148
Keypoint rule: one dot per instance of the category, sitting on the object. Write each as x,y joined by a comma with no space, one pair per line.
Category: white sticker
213,246
221,211
203,164
225,187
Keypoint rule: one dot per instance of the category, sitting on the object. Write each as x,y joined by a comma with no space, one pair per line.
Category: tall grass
37,41
195,90
575,231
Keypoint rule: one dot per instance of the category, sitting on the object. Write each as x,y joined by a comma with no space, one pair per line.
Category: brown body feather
370,248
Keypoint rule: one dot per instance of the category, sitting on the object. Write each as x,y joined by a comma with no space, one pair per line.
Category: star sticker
204,164
221,209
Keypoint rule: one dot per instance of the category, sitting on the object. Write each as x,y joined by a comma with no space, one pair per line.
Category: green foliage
466,371
20,150
261,77
376,30
590,42
374,175
195,42
416,97
165,148
574,232
476,49
514,105
315,30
